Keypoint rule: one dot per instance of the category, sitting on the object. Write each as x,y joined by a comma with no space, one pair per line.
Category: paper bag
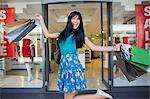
21,31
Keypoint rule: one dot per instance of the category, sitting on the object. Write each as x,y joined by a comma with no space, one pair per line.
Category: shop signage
142,12
7,15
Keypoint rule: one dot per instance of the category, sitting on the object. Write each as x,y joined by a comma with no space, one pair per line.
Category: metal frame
47,62
102,54
109,27
108,12
110,43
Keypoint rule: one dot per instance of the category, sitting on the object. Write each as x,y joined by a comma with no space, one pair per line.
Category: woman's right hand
38,17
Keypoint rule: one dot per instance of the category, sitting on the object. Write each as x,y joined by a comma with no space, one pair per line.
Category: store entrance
96,68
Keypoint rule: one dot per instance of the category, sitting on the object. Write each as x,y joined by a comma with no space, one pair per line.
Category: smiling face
75,22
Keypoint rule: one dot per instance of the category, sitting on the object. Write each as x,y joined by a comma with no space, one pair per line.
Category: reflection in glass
124,16
24,70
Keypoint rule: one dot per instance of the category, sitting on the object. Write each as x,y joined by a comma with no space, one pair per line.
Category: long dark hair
78,34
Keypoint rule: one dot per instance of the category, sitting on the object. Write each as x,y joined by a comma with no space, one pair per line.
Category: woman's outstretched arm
44,28
101,48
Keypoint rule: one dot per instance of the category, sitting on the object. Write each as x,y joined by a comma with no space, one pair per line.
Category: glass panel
21,62
90,60
124,23
105,42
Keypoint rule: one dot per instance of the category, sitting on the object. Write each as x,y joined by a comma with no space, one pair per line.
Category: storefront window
21,62
125,28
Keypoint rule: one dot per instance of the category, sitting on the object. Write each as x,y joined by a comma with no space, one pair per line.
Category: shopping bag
130,71
143,67
9,27
140,56
125,49
17,23
21,31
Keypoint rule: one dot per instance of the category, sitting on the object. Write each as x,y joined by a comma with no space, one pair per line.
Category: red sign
142,12
7,15
125,39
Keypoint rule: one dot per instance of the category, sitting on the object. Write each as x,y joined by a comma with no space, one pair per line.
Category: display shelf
81,57
87,55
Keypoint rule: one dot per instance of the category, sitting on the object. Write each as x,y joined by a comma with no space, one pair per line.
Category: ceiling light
97,34
92,38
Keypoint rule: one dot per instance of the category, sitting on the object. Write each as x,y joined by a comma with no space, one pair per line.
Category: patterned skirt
71,76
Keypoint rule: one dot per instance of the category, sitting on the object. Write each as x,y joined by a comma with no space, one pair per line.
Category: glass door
91,61
106,35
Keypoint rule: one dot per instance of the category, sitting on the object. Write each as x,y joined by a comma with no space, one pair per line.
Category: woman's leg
70,95
89,96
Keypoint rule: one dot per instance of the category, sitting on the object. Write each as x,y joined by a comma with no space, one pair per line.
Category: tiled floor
92,73
20,82
18,78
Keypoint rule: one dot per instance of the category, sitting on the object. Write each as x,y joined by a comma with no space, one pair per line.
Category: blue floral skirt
71,76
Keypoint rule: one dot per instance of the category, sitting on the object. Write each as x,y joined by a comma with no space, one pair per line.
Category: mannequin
26,54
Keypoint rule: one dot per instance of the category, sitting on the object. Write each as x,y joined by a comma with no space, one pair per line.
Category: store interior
22,72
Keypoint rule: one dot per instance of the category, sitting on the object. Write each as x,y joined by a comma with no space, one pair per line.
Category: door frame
46,63
110,33
108,83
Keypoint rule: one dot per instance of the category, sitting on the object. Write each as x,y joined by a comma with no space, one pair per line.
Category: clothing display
32,48
26,52
125,39
71,76
10,50
39,49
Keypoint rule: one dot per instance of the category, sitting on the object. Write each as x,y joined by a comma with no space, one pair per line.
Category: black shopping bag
21,31
130,71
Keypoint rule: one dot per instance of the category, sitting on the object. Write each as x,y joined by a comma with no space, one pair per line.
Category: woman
71,77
